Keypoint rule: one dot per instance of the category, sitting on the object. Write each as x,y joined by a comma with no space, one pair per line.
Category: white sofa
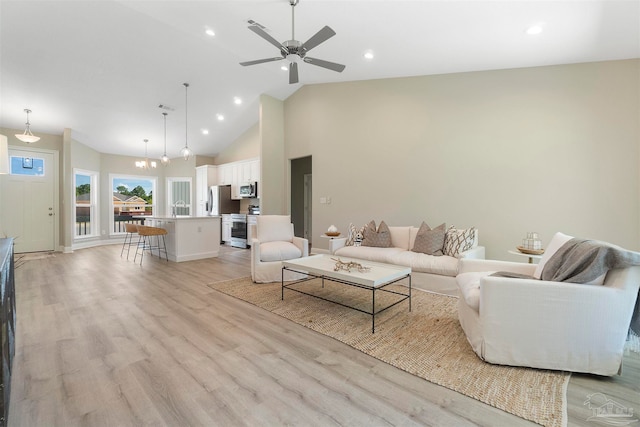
548,325
428,272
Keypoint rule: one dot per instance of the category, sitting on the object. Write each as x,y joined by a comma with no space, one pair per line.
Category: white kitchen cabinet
227,223
206,176
225,174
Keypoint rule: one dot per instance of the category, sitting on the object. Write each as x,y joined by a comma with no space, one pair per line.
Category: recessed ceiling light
534,29
368,55
237,100
284,68
205,131
210,32
220,117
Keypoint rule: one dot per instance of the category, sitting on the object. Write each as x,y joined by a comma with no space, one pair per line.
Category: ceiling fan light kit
293,51
27,136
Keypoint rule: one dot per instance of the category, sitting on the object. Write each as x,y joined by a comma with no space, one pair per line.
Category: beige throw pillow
457,241
430,241
380,238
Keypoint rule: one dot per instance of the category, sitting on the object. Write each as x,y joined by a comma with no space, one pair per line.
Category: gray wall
541,149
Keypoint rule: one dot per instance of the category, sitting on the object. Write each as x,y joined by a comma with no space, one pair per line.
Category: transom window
31,166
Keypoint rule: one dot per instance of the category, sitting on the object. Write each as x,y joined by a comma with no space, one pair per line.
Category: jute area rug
427,342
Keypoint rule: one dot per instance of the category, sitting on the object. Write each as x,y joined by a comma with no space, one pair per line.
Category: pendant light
27,136
165,159
146,164
186,152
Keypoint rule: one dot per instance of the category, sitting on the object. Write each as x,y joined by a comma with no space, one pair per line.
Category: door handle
50,214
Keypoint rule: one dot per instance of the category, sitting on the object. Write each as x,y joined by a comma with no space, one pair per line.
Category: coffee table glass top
323,265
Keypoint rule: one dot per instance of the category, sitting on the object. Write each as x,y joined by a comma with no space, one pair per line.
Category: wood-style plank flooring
102,341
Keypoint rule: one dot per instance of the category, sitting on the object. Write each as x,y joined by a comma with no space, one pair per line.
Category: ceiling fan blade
321,36
293,73
262,33
260,61
325,64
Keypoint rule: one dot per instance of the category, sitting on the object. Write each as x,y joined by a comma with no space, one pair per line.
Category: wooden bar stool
130,230
145,241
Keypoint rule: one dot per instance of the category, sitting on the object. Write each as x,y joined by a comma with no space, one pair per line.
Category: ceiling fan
294,51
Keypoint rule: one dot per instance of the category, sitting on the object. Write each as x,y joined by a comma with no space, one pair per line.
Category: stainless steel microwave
249,190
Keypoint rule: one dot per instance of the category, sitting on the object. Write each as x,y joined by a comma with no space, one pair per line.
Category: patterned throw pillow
430,241
457,241
355,235
380,238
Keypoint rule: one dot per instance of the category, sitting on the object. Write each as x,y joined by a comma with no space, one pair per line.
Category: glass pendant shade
186,152
27,136
165,159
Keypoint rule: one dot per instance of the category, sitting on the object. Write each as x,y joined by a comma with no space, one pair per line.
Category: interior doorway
301,197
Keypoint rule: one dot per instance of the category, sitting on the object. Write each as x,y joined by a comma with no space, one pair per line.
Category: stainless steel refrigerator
219,201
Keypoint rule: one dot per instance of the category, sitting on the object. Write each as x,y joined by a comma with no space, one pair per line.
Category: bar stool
145,242
130,230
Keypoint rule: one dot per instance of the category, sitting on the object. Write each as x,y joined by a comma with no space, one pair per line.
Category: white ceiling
102,67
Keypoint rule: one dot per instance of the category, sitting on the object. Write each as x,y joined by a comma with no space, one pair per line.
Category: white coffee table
376,279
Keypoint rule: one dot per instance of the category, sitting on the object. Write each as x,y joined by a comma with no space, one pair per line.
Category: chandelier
146,164
27,136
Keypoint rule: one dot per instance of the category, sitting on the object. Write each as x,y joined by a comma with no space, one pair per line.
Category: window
132,196
179,196
85,213
31,166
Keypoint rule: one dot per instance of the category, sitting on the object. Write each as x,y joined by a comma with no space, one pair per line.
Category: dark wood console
7,324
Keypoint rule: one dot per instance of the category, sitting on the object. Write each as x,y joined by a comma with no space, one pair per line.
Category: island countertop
178,218
188,238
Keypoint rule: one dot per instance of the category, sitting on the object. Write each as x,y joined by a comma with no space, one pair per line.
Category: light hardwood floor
102,341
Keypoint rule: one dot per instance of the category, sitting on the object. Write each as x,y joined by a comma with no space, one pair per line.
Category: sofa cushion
279,251
400,237
272,228
423,263
430,241
458,240
469,285
380,238
369,253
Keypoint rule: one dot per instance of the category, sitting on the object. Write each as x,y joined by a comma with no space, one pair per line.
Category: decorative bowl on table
530,251
332,233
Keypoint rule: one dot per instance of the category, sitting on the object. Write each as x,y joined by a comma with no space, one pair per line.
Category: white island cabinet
190,237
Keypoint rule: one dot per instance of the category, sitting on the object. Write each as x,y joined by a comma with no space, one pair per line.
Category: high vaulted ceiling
103,67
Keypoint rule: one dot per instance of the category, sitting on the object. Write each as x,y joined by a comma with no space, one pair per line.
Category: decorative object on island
531,244
165,159
145,163
185,152
347,266
332,231
27,136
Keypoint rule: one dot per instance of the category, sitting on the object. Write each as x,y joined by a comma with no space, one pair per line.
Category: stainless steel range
239,230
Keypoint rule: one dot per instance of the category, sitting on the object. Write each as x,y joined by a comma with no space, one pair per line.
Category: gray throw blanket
582,260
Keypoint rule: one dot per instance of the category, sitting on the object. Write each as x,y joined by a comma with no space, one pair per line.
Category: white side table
530,256
339,236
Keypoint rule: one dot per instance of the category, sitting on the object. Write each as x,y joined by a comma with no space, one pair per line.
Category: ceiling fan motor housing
294,50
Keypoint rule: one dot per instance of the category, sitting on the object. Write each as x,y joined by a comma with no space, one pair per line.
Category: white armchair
273,243
548,325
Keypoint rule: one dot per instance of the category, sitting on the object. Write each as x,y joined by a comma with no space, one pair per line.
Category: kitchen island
188,237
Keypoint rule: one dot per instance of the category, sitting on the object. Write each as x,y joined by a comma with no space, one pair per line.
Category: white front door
27,206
